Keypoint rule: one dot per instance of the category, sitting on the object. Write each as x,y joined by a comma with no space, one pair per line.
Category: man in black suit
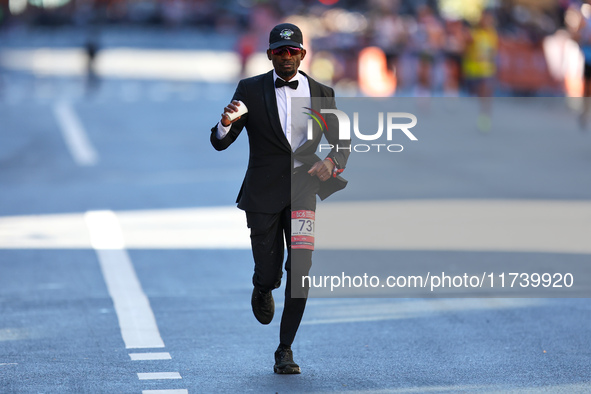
284,176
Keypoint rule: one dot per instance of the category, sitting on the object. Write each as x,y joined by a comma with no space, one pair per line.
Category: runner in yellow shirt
480,65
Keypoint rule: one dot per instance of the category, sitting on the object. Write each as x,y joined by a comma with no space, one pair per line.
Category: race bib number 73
302,229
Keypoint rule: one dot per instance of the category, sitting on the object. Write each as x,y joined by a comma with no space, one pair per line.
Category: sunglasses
293,51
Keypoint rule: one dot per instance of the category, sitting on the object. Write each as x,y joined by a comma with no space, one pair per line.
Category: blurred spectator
428,54
427,40
390,35
174,12
3,13
246,47
582,35
457,35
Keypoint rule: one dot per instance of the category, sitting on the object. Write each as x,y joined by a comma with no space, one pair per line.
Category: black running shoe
284,363
263,306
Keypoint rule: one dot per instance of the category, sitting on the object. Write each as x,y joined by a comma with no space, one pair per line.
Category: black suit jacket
267,184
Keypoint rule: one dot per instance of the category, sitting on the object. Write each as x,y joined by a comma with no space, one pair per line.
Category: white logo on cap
286,34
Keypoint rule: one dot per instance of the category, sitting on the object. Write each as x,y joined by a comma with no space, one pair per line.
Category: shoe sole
287,370
263,320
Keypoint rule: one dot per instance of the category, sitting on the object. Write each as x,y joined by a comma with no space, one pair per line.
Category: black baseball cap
286,34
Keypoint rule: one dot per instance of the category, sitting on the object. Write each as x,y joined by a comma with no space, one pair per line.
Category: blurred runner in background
91,48
480,65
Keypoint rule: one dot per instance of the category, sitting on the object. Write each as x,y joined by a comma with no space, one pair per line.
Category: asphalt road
175,280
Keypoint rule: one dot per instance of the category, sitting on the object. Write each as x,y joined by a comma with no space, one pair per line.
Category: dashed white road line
150,356
158,375
136,318
178,391
74,134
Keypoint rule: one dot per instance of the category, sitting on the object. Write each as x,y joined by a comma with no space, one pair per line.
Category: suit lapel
316,104
314,89
271,104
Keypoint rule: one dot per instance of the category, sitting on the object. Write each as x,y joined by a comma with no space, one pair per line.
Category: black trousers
267,234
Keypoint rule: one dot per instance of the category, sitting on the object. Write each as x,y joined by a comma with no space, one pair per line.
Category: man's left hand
322,169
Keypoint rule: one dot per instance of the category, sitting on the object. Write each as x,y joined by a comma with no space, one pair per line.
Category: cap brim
285,43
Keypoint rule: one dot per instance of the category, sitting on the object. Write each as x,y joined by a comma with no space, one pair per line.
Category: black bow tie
279,83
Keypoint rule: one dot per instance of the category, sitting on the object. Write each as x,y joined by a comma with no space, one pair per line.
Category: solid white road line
158,375
135,63
178,391
150,356
552,226
529,226
74,134
136,319
346,310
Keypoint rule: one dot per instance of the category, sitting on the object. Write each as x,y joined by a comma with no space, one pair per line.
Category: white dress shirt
294,125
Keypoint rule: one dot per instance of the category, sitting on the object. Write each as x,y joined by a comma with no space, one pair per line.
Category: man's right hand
232,107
